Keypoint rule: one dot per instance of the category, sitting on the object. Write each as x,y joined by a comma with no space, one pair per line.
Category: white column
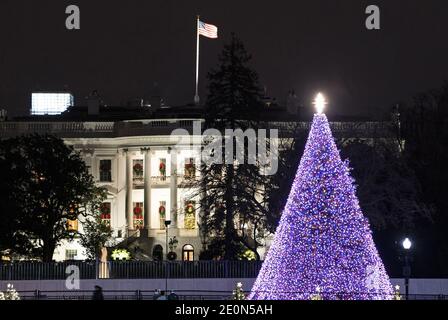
173,187
95,168
88,157
129,187
147,188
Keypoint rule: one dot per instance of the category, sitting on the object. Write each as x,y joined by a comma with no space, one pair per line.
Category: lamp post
167,224
407,244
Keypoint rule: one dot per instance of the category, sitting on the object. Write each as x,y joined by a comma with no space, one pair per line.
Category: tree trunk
48,250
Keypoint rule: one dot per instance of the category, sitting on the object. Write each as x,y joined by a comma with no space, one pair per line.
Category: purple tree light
323,246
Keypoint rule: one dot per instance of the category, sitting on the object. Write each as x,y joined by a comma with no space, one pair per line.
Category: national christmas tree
323,241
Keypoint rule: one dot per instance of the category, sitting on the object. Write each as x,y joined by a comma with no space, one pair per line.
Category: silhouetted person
162,295
156,294
98,293
173,296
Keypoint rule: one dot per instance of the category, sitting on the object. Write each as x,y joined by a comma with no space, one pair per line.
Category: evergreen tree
238,293
234,90
323,240
232,202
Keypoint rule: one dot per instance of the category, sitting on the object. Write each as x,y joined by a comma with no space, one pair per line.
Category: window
105,170
72,225
51,103
138,215
157,253
105,212
188,253
70,254
72,221
162,214
190,215
190,168
137,172
162,168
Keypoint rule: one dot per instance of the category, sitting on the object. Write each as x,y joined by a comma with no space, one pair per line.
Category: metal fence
131,270
151,295
122,295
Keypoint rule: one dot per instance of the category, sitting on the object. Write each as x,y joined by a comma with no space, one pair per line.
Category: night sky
123,47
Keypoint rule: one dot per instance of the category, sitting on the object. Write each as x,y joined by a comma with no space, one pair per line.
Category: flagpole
196,96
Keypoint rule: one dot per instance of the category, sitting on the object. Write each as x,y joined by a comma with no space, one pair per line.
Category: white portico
148,181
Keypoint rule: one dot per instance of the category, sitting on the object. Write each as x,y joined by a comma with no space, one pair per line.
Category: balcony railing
74,129
166,126
138,182
185,180
63,129
131,270
160,181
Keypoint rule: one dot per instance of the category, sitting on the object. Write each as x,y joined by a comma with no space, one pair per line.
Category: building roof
190,111
118,113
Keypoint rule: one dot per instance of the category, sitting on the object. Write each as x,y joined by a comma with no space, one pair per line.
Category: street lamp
407,245
167,224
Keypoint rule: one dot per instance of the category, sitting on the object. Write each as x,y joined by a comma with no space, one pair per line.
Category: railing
182,181
138,182
348,129
87,129
132,270
45,271
123,295
152,295
55,128
165,126
160,181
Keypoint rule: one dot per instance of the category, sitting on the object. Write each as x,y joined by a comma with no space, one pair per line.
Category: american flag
207,30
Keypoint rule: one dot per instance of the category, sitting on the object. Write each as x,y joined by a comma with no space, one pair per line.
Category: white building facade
149,181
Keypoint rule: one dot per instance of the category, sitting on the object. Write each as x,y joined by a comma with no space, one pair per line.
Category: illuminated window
137,173
162,214
138,215
48,103
190,215
190,168
162,168
105,212
70,254
105,170
72,225
188,253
